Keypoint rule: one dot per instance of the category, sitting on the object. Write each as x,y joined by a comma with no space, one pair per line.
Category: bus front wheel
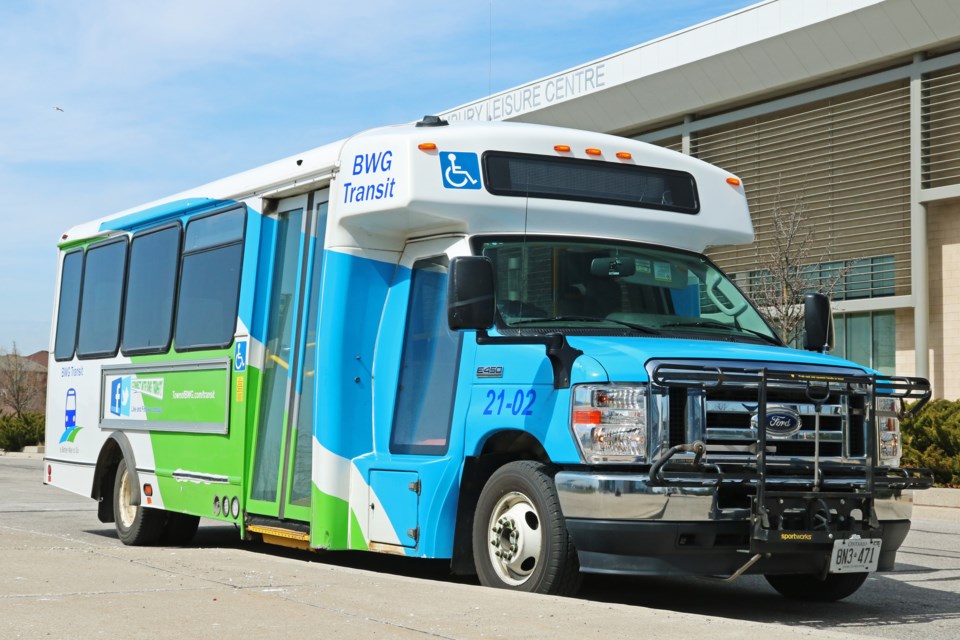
520,540
136,525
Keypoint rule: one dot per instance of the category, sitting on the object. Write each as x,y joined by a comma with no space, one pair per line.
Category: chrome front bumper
631,497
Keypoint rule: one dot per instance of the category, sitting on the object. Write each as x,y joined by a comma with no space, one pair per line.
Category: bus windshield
591,285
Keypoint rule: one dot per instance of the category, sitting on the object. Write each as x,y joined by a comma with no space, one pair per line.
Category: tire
136,525
813,588
520,539
179,529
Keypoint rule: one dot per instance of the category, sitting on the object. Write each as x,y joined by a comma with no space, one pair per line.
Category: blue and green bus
498,344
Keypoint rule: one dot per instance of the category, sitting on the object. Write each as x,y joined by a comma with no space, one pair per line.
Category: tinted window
69,305
210,281
428,370
102,299
212,231
151,284
511,174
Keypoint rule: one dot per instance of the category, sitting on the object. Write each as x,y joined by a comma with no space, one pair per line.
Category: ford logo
781,421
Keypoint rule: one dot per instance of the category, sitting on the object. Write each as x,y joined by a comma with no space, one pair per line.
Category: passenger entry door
419,454
280,473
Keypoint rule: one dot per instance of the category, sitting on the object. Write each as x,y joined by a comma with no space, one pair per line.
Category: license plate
856,555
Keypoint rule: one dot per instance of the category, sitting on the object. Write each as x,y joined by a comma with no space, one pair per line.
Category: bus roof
390,182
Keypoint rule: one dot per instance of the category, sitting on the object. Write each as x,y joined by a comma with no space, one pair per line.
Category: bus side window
428,366
102,299
68,307
210,281
151,285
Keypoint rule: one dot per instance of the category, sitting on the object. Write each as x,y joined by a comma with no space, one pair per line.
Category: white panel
860,43
943,17
909,23
814,60
882,31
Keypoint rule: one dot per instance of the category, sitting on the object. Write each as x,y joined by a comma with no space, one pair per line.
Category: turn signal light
562,148
734,181
593,152
427,146
624,155
586,417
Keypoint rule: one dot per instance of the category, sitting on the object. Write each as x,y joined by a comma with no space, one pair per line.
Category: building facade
846,111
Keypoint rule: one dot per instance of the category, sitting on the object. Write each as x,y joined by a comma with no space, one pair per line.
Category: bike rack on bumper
800,504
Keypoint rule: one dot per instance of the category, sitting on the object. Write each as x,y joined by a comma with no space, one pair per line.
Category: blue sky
160,96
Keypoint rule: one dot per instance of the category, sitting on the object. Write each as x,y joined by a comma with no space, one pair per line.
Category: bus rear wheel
814,588
520,539
136,525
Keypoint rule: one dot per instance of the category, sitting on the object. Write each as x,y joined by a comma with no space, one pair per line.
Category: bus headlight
609,422
888,431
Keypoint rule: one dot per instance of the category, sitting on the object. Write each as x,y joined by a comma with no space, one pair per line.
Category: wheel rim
516,538
127,511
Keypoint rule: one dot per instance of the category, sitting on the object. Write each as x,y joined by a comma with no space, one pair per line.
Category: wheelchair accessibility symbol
460,170
240,356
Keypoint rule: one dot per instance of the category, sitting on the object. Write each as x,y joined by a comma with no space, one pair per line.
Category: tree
22,383
790,265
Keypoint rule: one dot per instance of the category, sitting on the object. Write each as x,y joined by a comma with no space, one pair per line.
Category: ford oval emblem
782,421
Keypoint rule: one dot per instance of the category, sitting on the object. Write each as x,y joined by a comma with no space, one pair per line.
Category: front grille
724,415
730,422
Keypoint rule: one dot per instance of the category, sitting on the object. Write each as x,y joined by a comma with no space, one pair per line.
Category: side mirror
470,290
818,322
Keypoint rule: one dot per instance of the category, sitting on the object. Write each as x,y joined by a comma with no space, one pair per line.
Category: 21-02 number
521,405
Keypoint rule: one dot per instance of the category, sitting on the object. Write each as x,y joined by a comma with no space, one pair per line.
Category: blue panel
161,213
352,297
393,488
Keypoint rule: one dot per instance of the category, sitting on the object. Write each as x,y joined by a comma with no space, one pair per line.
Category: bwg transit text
498,344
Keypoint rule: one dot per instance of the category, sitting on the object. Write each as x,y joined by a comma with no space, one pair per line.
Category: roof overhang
769,48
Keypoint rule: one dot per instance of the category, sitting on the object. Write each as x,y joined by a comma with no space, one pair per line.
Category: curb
937,498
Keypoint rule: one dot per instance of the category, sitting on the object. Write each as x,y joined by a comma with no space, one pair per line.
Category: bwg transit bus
498,344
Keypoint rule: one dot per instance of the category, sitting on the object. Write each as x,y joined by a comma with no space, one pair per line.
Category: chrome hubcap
516,538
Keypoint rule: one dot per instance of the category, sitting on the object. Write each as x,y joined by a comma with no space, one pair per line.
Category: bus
498,344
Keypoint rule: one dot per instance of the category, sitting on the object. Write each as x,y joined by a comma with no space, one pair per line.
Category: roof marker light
593,152
734,181
562,148
427,146
624,155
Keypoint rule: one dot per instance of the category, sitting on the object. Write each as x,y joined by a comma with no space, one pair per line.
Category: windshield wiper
623,323
713,324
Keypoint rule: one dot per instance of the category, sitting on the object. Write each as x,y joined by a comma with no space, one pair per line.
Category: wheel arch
499,449
116,447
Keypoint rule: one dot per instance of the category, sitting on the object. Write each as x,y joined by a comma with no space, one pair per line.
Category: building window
868,339
68,307
210,281
151,285
102,299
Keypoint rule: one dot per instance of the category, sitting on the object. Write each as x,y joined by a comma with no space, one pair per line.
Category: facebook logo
120,396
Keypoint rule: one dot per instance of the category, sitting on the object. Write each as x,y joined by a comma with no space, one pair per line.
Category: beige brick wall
906,364
943,238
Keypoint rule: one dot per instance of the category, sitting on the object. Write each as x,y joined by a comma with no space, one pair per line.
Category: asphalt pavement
63,574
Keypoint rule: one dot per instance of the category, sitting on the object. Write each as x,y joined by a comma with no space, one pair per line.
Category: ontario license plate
856,555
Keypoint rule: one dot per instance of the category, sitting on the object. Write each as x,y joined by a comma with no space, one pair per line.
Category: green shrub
17,433
931,439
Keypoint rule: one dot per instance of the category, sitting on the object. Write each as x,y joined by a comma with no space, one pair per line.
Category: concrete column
919,281
685,134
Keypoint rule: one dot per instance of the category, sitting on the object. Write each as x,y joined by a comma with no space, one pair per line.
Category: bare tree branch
790,265
22,385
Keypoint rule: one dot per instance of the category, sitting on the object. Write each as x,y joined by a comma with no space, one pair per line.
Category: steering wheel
713,292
